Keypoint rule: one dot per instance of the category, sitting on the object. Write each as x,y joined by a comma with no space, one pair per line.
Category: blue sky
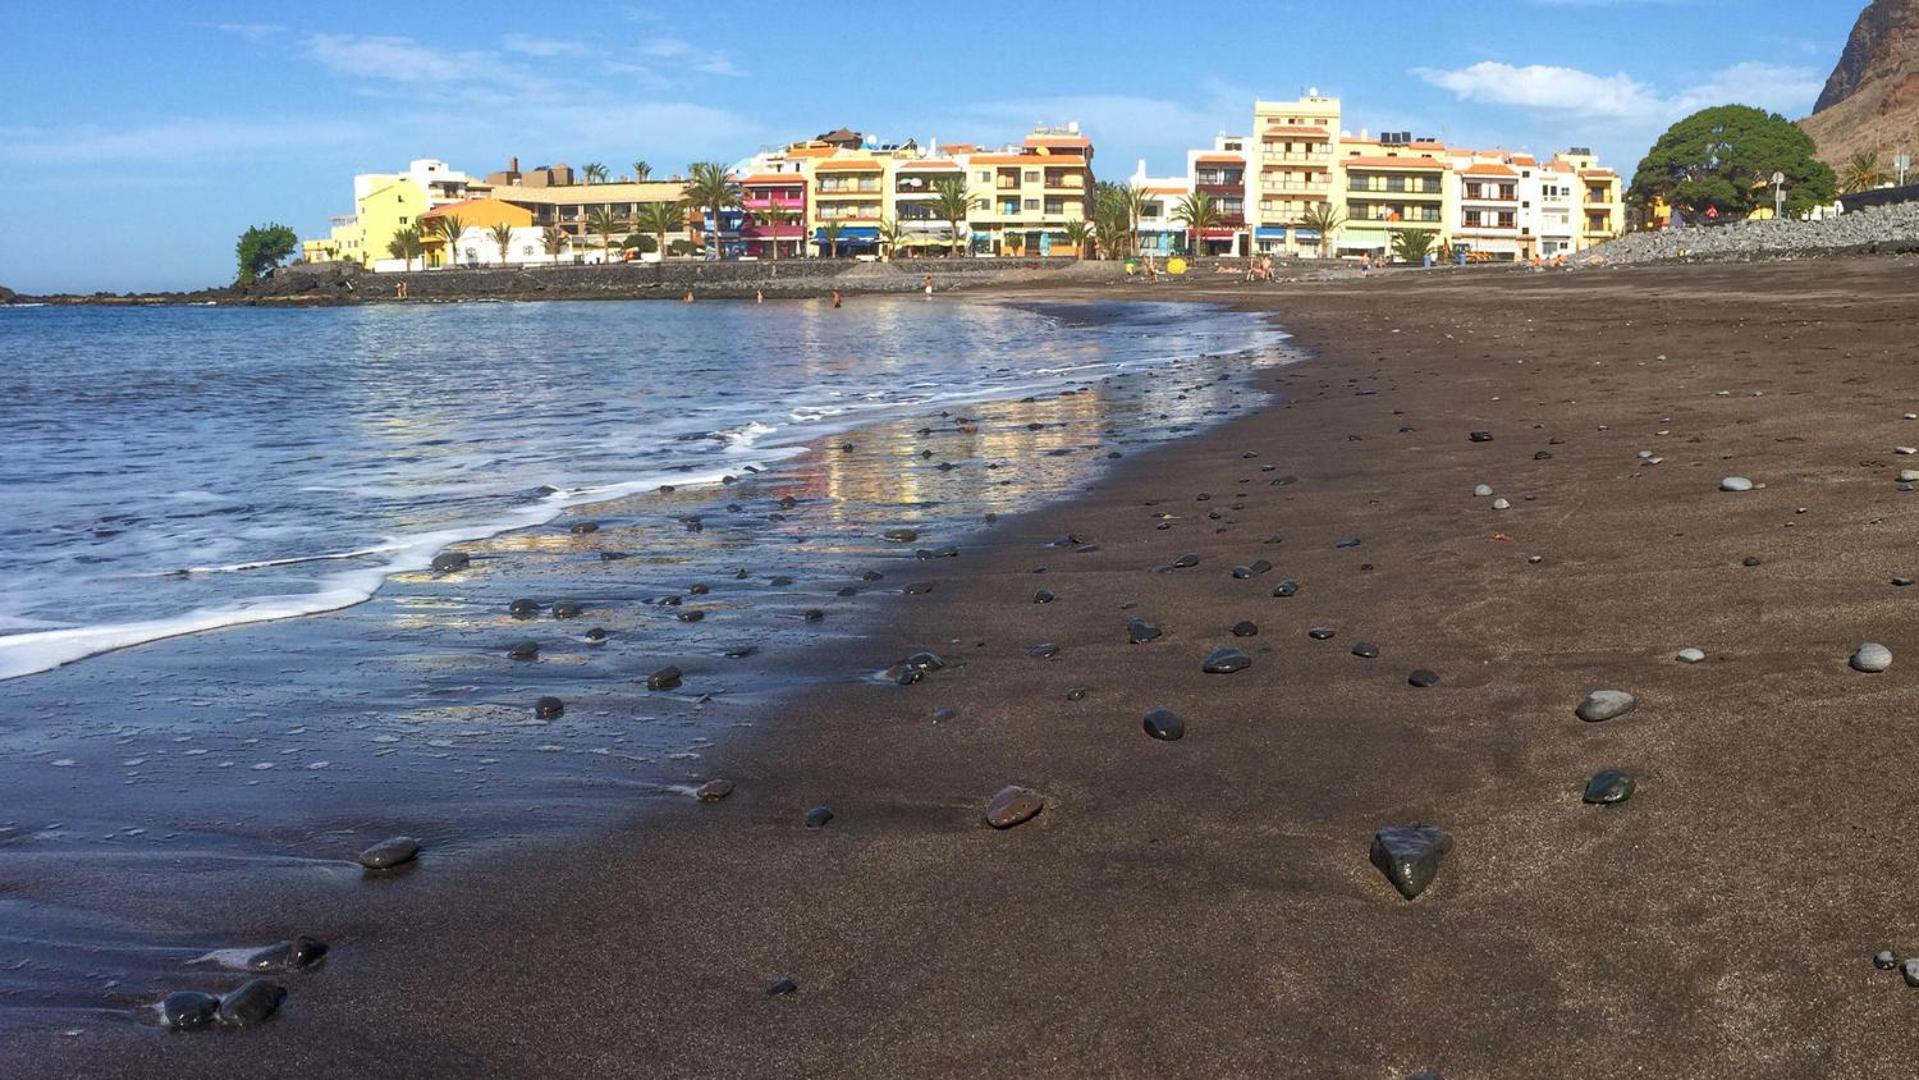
139,138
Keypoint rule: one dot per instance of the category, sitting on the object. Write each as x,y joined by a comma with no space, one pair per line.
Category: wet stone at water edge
301,952
1409,855
389,853
253,1003
667,678
549,708
448,562
714,790
817,817
186,1010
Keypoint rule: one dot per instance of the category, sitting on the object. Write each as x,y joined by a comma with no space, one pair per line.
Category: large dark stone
186,1010
549,708
1423,678
817,817
449,561
1139,632
301,952
568,609
524,650
714,790
253,1003
1409,855
523,609
1012,805
667,678
1225,661
1165,724
389,853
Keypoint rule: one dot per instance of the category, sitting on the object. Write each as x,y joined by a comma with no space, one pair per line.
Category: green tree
714,190
553,239
1325,219
447,228
406,245
262,248
1862,172
1723,158
1197,211
605,223
891,232
952,204
660,218
1413,245
594,172
833,230
1078,234
642,171
503,238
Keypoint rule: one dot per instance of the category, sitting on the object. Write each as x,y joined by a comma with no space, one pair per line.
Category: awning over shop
1271,232
851,232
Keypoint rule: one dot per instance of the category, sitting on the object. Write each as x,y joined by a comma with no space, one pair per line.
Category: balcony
1296,157
862,187
776,202
1072,181
1321,187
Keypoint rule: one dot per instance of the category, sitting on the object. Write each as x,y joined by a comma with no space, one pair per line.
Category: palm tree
891,232
594,172
642,171
951,203
1861,172
1325,219
448,228
660,218
1413,245
605,224
1077,234
1132,200
711,188
553,238
1198,212
833,230
503,237
406,245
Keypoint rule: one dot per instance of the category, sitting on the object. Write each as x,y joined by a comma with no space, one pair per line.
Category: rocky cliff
1871,100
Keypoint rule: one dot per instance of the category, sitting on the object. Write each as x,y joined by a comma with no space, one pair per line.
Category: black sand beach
1205,906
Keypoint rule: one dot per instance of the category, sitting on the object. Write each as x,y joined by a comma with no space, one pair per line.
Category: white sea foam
36,651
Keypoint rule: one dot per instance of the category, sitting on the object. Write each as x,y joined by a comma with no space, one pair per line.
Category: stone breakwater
1880,230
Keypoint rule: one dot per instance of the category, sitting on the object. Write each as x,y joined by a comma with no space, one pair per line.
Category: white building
1159,232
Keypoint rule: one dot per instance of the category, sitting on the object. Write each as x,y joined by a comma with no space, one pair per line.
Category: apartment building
1391,183
385,203
1291,162
1160,231
1025,196
1219,173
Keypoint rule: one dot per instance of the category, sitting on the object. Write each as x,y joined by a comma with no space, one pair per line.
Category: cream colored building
1292,161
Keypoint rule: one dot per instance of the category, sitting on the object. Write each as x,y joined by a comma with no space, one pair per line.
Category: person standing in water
929,284
836,298
688,298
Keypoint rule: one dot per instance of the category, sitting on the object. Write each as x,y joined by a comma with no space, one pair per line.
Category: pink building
775,210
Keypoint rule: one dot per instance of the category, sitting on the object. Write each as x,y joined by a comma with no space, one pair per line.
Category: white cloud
254,32
703,60
535,45
1571,92
397,59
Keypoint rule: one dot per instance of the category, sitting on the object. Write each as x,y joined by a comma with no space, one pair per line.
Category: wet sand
1205,906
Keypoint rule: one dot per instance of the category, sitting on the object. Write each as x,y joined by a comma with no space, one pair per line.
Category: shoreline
1204,907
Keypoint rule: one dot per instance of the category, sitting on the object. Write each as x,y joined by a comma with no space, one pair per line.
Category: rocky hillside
1871,101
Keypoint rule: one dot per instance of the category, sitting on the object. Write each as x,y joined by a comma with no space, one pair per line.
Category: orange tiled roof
931,164
1221,159
812,151
1597,172
1008,159
859,165
1485,168
759,179
1525,159
1307,132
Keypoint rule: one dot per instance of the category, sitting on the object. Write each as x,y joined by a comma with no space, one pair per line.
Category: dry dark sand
1205,907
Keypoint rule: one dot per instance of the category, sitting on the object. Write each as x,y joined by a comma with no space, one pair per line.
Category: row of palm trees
595,173
1862,172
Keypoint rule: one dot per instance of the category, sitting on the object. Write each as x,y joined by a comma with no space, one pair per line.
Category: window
1032,204
1032,176
986,176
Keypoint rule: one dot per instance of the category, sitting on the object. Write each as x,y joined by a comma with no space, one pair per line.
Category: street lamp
1778,195
1900,164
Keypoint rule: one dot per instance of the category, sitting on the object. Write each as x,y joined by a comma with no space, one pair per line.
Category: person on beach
836,298
688,298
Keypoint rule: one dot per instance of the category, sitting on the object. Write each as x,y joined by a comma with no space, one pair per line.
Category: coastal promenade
1205,906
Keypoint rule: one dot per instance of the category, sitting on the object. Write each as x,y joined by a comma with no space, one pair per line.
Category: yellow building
571,206
1388,184
1292,157
1602,198
1025,197
383,204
